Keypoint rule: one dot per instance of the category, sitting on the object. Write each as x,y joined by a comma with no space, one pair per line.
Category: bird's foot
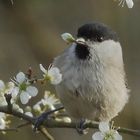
40,120
81,128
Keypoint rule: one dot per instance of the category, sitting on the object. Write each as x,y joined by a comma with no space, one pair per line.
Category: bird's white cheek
110,52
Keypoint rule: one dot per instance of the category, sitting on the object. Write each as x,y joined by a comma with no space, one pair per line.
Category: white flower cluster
106,132
21,88
49,101
129,3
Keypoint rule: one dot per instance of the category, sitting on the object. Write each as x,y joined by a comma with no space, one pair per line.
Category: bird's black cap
97,32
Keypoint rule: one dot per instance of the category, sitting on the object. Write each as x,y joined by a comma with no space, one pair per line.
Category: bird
94,84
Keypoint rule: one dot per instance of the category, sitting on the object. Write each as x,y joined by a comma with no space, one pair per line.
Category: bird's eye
100,39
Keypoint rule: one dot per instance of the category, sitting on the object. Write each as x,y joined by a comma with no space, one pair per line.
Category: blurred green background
30,34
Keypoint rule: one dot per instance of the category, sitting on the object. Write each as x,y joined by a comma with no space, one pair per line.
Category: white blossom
49,100
43,69
37,107
17,108
7,88
28,109
106,132
67,37
20,110
2,85
2,120
52,74
55,75
24,88
129,3
24,97
29,114
2,100
14,95
20,77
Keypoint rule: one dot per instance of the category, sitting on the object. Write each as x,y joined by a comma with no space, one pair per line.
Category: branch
15,113
9,129
46,134
94,125
50,123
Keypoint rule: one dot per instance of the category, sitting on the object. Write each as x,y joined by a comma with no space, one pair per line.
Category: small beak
81,41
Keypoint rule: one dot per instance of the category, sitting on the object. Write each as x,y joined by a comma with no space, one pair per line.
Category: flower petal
2,85
49,99
117,136
97,136
14,94
17,108
24,97
20,77
29,114
2,115
130,3
42,68
3,101
104,127
9,88
11,85
32,91
2,123
20,110
56,76
37,107
2,120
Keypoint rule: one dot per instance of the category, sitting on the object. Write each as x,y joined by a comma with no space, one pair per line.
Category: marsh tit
93,84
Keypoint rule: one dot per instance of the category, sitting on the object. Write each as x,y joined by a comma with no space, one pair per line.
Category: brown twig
23,124
61,124
46,134
9,129
12,2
